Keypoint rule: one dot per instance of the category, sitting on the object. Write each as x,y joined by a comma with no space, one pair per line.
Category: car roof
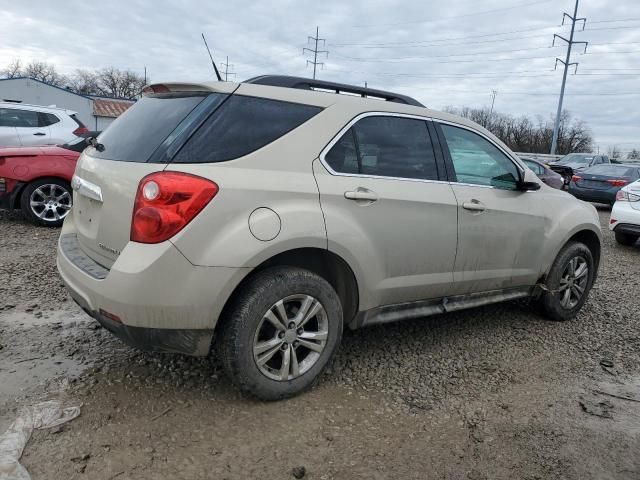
39,108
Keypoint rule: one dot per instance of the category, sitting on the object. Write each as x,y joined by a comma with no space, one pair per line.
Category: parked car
602,182
268,216
37,180
576,162
29,125
625,214
544,173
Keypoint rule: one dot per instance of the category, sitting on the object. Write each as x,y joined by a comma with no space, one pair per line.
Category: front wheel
626,239
569,282
46,201
280,333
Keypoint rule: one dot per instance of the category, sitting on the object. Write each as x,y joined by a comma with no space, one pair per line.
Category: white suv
27,125
266,216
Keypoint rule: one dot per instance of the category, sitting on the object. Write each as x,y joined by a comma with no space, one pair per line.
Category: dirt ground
489,393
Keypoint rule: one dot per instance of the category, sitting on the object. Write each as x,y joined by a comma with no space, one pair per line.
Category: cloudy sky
443,52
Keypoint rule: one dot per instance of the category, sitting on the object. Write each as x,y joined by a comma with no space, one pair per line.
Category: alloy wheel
290,337
50,202
573,282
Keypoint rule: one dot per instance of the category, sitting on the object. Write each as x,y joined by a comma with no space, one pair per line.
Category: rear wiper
95,144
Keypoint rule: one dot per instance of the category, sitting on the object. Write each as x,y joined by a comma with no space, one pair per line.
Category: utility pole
145,74
315,51
226,72
567,63
493,99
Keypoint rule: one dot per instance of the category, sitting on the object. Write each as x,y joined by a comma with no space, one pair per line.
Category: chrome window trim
514,160
351,123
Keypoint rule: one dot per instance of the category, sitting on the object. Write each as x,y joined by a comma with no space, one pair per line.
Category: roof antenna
211,57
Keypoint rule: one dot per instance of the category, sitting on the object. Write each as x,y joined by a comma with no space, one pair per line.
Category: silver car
261,218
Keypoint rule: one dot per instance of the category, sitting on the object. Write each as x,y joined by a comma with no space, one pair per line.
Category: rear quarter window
138,132
240,126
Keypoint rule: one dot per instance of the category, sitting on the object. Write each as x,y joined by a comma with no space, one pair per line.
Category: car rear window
240,126
611,170
137,133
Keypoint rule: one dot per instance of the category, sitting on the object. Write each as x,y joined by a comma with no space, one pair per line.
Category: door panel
34,135
9,137
387,211
500,229
500,246
403,243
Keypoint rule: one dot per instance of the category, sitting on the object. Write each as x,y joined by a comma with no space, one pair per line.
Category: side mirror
528,186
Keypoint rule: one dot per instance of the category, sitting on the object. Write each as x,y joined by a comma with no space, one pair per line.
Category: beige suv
262,218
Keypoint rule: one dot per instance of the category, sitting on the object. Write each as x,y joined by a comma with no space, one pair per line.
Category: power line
315,51
473,14
567,63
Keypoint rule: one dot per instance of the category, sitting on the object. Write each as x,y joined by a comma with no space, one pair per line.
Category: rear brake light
617,183
155,89
166,202
623,196
576,178
80,131
612,221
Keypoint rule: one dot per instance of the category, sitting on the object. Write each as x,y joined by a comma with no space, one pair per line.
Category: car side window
386,146
537,169
46,119
12,117
477,161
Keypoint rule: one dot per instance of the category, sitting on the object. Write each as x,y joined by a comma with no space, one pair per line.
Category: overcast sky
443,52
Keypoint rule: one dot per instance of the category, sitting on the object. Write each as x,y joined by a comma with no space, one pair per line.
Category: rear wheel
569,282
626,238
281,332
46,201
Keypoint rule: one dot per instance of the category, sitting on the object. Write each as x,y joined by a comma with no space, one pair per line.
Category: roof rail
323,85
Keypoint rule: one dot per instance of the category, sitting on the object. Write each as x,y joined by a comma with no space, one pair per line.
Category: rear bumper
589,195
625,218
163,302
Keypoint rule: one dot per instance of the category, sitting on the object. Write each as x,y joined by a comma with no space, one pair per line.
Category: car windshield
576,159
611,170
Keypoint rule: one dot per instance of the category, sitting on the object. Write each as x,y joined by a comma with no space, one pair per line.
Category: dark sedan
544,173
601,183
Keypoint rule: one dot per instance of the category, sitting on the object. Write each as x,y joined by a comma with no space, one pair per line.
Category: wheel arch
25,183
322,262
588,237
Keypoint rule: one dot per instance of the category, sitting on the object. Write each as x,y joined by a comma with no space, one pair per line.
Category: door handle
474,206
39,134
361,194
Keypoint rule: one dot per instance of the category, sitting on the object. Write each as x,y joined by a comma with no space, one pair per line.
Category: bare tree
13,70
522,134
633,155
85,82
45,72
119,83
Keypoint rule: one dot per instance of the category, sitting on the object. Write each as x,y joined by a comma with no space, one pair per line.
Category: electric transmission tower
493,99
315,51
567,63
226,72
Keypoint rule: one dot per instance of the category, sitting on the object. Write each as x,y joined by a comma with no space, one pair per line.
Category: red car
37,180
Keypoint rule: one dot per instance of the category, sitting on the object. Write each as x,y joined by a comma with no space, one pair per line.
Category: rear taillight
617,183
78,132
576,178
166,202
623,196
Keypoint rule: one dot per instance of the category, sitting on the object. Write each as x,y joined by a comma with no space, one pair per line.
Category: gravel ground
495,392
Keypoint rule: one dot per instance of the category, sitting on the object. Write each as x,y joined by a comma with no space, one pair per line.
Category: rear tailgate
107,177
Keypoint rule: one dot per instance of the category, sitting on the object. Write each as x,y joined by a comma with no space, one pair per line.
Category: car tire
626,239
46,201
253,329
554,302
